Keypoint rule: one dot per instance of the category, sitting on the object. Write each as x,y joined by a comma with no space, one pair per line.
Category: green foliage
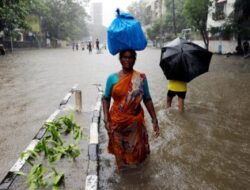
140,11
72,151
180,19
167,22
35,177
58,178
196,13
239,21
31,154
154,31
53,128
64,19
53,148
60,19
38,176
13,14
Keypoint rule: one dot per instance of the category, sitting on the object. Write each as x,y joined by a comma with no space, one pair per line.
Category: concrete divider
92,176
91,182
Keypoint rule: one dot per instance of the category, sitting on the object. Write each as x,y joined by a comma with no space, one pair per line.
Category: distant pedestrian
97,44
76,46
90,47
73,46
178,88
2,50
246,47
239,50
82,46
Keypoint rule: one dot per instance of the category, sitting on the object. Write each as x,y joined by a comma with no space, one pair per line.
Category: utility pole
174,18
11,43
161,24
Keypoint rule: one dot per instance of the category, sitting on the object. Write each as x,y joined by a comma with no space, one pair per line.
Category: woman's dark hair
130,50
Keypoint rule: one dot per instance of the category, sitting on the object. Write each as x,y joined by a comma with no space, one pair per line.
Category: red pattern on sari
128,139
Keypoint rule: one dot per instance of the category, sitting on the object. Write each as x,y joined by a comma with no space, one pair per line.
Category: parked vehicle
2,50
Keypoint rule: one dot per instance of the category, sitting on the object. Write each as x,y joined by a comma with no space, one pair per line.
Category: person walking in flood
76,46
90,47
182,61
124,122
97,44
245,47
178,88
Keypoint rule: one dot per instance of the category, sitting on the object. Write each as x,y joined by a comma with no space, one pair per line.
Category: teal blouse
114,78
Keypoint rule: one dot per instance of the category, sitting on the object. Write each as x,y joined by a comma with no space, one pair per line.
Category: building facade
96,13
218,14
155,8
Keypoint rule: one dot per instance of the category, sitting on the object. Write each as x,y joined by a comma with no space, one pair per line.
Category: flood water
205,148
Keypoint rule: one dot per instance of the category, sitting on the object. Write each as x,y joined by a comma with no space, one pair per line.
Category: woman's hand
150,107
107,125
156,129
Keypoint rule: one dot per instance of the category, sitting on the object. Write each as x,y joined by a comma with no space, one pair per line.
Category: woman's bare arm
106,106
151,110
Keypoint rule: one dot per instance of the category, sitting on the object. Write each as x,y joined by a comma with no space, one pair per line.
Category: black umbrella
182,60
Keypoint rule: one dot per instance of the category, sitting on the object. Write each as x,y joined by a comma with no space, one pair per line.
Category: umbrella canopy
182,60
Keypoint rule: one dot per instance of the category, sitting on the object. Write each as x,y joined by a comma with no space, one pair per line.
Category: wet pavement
207,147
74,170
33,83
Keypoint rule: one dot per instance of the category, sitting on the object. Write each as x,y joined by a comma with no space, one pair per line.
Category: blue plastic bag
125,32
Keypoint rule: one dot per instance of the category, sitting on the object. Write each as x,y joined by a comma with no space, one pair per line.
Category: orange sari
128,139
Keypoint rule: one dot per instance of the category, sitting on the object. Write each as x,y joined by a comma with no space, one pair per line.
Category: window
219,13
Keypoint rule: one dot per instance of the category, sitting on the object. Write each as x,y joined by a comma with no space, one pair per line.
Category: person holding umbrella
182,61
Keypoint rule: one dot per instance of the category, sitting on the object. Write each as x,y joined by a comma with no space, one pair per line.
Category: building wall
156,6
228,8
220,46
97,13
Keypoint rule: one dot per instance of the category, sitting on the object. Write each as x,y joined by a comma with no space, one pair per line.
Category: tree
141,12
64,19
174,20
196,13
61,19
241,20
238,23
153,31
13,14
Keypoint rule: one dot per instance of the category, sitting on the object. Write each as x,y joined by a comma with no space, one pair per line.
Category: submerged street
207,147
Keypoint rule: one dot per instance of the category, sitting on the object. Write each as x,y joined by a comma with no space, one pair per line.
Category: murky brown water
207,147
32,84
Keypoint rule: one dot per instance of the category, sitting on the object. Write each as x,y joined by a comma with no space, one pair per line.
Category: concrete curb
11,174
92,175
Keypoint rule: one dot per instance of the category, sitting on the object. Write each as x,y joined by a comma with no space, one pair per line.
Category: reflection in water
207,147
